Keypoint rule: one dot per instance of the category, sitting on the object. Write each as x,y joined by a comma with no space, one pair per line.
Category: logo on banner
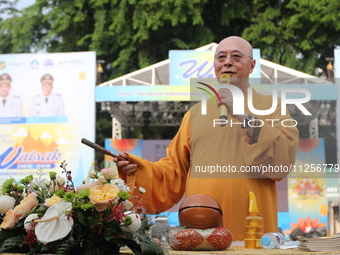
30,154
202,70
34,64
49,63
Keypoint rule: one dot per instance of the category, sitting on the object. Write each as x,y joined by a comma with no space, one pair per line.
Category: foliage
132,34
298,34
51,216
7,6
127,34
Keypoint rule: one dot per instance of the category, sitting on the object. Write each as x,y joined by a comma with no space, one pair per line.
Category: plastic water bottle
272,240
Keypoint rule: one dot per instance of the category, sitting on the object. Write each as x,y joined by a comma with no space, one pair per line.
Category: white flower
127,205
118,181
101,179
39,184
92,174
121,184
68,212
142,190
54,225
29,224
60,181
136,222
6,203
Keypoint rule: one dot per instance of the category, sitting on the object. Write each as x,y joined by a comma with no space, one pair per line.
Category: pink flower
87,186
109,173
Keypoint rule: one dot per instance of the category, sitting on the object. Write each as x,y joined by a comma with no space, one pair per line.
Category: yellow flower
102,194
52,200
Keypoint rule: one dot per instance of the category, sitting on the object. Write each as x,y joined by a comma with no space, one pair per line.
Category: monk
199,147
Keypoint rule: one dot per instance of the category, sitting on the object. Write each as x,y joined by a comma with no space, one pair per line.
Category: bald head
237,42
234,56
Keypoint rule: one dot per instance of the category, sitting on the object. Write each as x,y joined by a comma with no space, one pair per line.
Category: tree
7,6
127,34
296,33
131,34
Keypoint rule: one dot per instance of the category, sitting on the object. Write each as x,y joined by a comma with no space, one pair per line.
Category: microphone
224,79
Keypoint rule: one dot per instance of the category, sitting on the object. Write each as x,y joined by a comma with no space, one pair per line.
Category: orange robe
198,144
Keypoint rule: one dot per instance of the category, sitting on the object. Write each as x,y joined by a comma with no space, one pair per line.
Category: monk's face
234,57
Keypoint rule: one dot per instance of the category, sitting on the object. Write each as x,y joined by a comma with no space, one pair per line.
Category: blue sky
24,3
20,5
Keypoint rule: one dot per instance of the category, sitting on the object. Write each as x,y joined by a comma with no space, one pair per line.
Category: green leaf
150,248
11,242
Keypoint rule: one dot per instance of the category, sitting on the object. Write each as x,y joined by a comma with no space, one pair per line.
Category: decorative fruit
200,212
211,239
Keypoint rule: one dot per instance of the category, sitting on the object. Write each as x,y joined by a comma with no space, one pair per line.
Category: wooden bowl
200,212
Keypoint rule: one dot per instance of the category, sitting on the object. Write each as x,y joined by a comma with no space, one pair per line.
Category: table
230,250
240,250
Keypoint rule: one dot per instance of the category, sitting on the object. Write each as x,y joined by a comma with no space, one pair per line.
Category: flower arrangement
51,215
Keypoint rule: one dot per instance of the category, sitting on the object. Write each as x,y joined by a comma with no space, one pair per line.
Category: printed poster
307,190
47,104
